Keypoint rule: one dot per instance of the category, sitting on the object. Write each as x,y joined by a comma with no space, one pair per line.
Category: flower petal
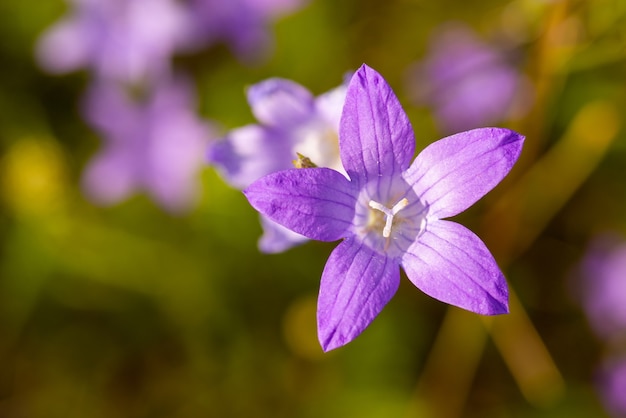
246,154
451,174
280,103
376,137
174,157
315,202
330,105
64,47
109,109
109,177
276,238
357,283
451,264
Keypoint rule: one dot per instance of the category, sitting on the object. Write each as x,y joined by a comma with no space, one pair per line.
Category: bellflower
291,121
603,286
239,23
125,40
467,82
389,212
154,144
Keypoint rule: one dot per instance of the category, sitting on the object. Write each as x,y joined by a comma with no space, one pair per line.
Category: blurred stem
546,71
525,354
448,373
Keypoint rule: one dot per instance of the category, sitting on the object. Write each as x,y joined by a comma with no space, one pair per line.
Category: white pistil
389,213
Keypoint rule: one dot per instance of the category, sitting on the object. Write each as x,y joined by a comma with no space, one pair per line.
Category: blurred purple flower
389,212
156,144
239,23
291,121
467,82
612,386
603,286
125,40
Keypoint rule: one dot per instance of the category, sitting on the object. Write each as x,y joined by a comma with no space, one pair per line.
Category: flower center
389,214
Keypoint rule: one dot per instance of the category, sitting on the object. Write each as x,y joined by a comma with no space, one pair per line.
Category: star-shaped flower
390,212
291,121
155,144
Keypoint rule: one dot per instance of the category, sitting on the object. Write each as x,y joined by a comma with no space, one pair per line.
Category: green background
131,312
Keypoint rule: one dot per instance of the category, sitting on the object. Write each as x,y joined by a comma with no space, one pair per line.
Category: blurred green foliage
130,312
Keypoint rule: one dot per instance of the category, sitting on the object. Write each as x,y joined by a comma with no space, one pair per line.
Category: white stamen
399,206
389,214
378,206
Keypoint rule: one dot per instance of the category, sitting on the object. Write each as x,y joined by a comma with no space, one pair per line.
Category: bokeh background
131,311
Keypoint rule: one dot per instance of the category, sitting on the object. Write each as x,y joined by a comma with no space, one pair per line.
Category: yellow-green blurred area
128,311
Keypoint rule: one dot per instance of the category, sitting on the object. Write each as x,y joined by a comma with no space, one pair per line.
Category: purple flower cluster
603,296
122,40
156,144
153,142
130,40
467,82
390,212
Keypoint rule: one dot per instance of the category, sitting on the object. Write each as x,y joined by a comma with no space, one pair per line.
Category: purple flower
125,40
156,144
603,286
291,121
240,23
389,212
467,82
612,386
